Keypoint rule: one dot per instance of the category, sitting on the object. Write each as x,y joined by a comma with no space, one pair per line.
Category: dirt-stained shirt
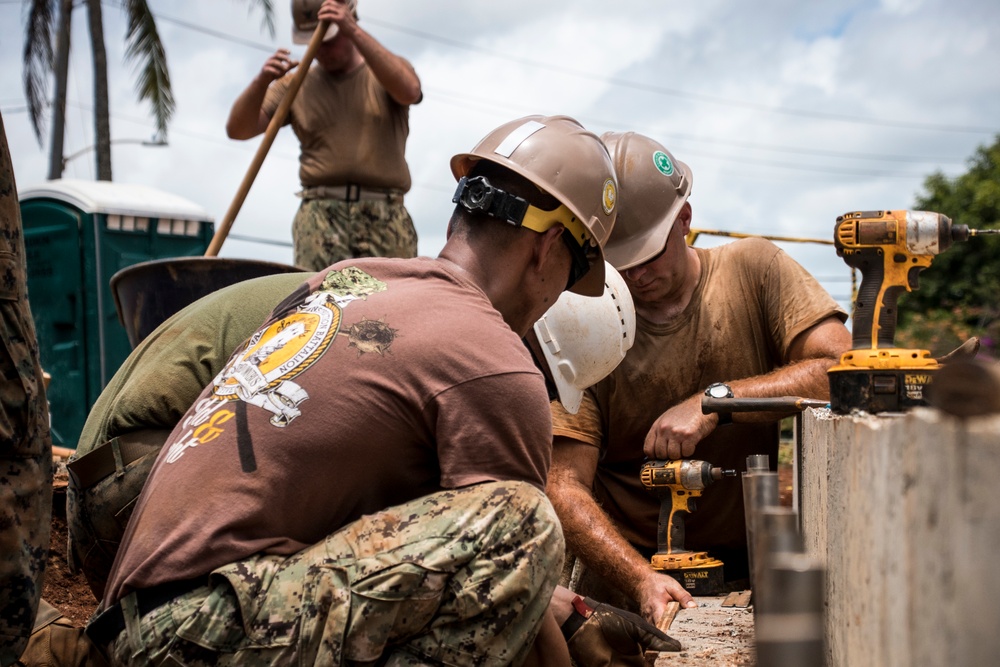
350,129
376,382
751,302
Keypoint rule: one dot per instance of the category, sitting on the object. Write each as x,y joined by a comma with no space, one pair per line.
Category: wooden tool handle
668,616
277,120
663,625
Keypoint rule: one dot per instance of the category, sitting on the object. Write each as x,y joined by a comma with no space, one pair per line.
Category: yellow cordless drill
890,248
677,484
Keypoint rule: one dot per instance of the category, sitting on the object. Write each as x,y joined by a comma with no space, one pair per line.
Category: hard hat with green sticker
663,163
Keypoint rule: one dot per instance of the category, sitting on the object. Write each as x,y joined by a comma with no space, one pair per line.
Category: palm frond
267,9
143,47
38,60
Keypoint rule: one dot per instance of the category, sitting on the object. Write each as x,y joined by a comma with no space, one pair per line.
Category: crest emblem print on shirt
262,373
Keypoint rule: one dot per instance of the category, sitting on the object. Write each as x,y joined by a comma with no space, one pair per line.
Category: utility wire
909,159
215,33
698,97
672,92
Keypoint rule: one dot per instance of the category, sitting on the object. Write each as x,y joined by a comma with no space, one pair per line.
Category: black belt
351,192
110,622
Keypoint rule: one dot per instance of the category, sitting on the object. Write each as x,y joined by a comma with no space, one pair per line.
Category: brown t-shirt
751,302
350,129
377,382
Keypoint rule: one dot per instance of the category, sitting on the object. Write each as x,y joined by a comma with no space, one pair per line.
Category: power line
672,92
257,239
699,97
743,160
909,159
724,142
214,33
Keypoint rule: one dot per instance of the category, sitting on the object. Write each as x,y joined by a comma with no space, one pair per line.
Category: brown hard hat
561,157
653,187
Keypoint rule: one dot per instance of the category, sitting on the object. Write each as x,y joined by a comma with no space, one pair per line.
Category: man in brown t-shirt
363,481
744,314
351,117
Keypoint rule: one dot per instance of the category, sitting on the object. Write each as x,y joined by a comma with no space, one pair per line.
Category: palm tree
142,46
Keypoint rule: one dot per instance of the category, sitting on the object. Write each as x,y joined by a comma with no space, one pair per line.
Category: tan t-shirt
377,382
350,129
751,302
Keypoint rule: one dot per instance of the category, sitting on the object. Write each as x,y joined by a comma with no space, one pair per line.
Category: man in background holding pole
351,116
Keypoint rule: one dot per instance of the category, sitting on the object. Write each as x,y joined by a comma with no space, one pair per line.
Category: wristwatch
721,390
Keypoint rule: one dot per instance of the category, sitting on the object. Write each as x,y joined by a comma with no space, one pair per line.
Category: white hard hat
584,338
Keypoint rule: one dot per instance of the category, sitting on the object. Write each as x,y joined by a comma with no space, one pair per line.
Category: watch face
719,391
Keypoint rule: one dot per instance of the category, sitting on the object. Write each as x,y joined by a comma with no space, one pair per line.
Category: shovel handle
277,120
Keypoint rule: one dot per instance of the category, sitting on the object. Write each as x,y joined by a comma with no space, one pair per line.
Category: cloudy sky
790,113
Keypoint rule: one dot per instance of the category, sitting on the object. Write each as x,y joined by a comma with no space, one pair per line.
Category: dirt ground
68,593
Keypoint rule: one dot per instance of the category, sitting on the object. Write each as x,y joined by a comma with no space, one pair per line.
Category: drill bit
978,232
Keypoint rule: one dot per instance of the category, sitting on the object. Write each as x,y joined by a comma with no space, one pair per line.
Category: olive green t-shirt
751,302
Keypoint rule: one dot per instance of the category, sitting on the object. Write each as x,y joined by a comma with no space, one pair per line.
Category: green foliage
959,295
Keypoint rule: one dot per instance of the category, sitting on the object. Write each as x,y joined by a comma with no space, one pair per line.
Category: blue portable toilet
77,234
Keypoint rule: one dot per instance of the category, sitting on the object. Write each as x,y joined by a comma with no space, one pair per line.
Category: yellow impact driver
677,484
890,248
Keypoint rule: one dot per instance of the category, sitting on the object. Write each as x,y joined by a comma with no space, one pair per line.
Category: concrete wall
905,513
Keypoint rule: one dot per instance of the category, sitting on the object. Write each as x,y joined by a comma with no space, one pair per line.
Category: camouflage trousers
25,442
459,577
328,230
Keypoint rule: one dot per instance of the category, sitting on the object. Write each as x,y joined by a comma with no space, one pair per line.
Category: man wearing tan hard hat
351,116
743,319
363,481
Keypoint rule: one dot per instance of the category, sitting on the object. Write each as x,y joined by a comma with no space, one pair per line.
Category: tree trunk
102,121
61,72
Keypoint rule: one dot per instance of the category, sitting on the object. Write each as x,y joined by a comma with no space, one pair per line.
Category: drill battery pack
881,380
699,575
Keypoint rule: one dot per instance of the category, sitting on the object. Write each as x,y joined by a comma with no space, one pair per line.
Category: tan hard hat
305,19
653,188
567,161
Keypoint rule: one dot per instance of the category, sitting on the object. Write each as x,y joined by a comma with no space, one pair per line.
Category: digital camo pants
25,441
326,231
459,577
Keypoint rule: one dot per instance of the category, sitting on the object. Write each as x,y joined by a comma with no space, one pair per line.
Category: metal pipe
777,532
790,632
760,489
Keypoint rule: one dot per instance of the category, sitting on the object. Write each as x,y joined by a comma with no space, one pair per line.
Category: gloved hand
599,635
